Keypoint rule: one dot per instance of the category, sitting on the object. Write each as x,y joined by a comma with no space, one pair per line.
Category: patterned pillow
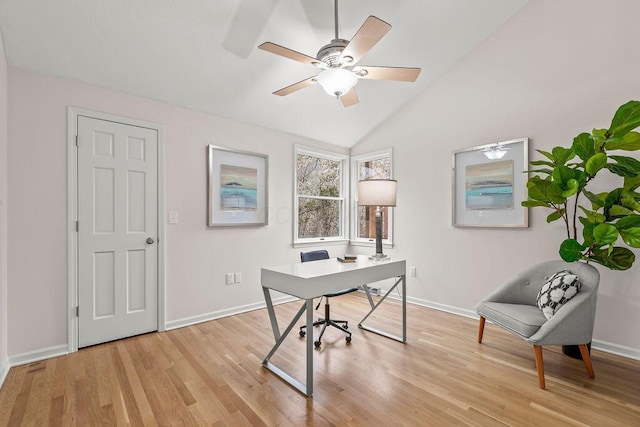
559,289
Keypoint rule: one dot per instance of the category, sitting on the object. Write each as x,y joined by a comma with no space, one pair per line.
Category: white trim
353,208
61,350
37,355
620,350
607,347
188,321
72,209
344,194
4,370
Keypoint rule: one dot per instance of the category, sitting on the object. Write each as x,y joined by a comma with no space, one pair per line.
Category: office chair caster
348,340
317,344
302,333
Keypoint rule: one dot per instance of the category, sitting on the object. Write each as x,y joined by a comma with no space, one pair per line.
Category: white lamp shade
337,81
377,192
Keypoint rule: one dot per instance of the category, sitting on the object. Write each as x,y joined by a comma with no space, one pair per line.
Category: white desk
310,280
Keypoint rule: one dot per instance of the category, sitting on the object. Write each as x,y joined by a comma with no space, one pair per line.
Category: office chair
343,325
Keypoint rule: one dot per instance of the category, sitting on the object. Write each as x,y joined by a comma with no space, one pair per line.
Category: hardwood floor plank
211,374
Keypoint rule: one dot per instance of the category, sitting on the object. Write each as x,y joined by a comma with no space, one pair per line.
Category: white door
117,230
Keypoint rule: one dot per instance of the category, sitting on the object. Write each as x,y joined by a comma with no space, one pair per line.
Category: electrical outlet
230,278
413,272
237,277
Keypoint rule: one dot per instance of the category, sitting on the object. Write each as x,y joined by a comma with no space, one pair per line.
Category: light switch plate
230,278
173,217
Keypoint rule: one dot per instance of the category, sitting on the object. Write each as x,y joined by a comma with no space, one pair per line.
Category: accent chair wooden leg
586,357
539,365
481,329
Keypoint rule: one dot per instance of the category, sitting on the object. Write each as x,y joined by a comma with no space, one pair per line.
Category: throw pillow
559,289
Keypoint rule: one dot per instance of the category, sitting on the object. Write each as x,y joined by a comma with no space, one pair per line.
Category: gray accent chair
513,307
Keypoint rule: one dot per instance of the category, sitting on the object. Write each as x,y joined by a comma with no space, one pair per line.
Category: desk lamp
378,193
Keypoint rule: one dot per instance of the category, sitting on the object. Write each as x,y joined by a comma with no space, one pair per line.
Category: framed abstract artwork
237,188
489,183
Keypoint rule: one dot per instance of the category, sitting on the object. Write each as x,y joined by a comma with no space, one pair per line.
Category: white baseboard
607,347
188,321
36,355
4,370
443,307
60,350
620,350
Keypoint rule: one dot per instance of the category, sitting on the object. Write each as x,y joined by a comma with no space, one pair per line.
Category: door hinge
76,140
77,226
77,311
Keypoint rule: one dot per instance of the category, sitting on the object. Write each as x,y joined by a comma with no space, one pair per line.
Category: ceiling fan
338,61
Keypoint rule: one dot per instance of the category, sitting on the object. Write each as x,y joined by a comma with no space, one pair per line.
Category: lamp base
379,257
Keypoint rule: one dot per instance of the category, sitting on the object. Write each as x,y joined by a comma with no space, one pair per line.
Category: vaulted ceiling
202,54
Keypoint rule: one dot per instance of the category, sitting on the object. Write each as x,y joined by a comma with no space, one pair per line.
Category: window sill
372,244
320,243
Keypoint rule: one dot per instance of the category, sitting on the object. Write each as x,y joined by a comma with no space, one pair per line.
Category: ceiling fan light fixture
337,81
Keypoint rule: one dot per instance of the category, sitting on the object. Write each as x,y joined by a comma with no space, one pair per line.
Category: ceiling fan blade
289,53
365,38
350,98
296,86
402,74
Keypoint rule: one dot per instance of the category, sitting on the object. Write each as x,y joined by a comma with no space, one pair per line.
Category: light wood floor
211,374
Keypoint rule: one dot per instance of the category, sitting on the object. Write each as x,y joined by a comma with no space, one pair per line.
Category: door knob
150,240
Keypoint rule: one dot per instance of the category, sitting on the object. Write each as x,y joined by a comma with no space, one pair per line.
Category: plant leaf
584,146
605,234
573,186
631,183
595,163
587,233
571,250
541,163
547,155
621,170
631,221
616,259
626,118
628,163
592,216
562,155
535,204
630,142
631,236
544,191
554,216
617,210
594,199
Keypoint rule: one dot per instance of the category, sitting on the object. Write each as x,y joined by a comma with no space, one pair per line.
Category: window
320,189
371,166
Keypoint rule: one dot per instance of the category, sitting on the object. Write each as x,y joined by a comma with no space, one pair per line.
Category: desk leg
307,389
402,279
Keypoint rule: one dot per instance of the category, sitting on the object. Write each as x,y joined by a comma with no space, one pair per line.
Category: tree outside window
319,196
374,166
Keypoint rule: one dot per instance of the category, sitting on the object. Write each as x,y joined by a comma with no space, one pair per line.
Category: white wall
197,256
3,212
557,68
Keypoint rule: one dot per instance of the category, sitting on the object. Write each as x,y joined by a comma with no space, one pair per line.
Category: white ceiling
201,54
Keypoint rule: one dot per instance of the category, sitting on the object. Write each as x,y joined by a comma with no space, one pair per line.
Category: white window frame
355,162
344,196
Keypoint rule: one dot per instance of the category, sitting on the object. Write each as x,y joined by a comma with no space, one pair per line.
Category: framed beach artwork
489,184
237,187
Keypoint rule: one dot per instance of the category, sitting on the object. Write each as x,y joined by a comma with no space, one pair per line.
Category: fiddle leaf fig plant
559,182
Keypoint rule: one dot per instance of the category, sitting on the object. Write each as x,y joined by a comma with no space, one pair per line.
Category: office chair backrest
314,255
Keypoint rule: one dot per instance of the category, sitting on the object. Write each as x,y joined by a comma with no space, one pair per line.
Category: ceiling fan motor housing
330,53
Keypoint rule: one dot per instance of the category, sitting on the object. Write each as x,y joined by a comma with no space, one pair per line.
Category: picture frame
237,188
489,184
